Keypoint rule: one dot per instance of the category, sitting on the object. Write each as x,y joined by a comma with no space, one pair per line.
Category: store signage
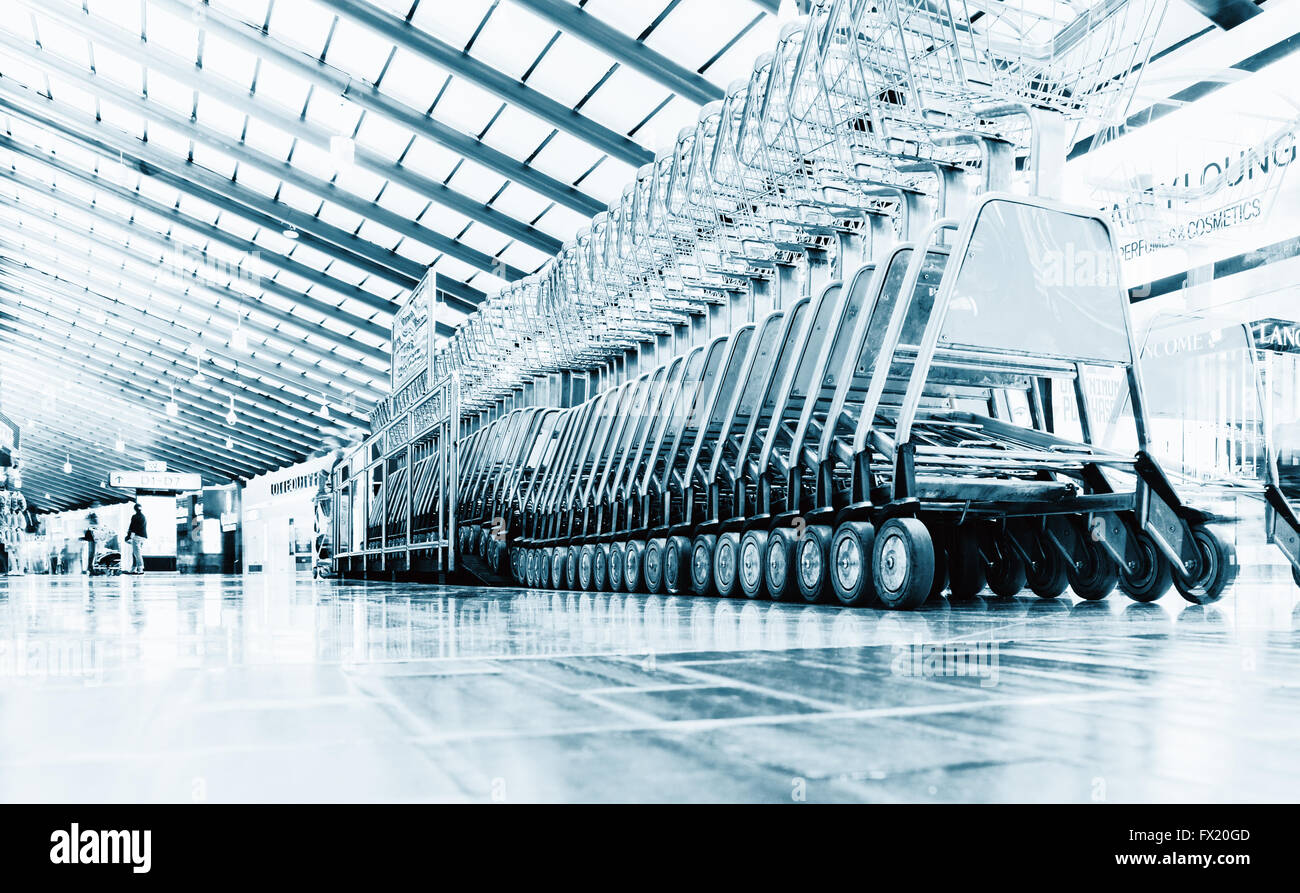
1281,335
155,466
313,481
154,480
413,334
229,521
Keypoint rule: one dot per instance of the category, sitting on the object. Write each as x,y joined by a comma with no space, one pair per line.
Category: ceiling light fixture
290,233
67,464
231,418
119,445
172,409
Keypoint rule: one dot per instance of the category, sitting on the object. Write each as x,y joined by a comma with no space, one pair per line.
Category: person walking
136,534
92,536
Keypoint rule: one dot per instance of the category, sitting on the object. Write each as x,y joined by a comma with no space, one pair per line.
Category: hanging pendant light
231,418
173,410
119,445
67,464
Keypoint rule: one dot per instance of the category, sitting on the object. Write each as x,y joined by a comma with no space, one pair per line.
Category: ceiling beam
246,302
186,332
55,115
293,125
62,253
173,215
482,75
285,425
368,97
628,51
205,412
209,186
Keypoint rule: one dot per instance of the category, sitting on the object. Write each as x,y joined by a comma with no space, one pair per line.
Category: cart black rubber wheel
1048,580
586,558
1095,572
530,568
652,564
600,569
778,564
483,540
726,565
1005,571
812,555
965,565
1152,576
902,563
633,577
677,565
753,549
851,577
616,567
559,579
702,563
1218,569
544,568
572,554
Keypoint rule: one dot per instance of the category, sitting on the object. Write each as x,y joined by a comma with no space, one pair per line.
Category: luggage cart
939,460
1248,459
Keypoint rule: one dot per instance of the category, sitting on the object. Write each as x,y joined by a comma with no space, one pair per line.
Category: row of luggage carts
929,421
952,402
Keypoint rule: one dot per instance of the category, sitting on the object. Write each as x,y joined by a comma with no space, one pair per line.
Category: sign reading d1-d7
155,480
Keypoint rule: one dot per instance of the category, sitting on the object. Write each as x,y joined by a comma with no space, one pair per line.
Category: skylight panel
69,97
379,234
300,23
660,132
18,69
417,251
630,18
512,38
218,116
282,87
340,217
170,94
247,10
520,202
359,181
230,62
696,29
267,139
116,118
214,160
606,182
624,100
566,157
176,34
466,107
443,219
402,200
738,61
314,162
63,41
382,136
412,80
525,257
569,70
299,199
454,22
516,132
427,157
358,51
119,69
476,181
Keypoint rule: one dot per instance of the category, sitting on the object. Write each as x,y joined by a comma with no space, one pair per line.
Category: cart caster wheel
812,557
702,564
1005,573
1218,569
965,566
586,558
1048,579
601,569
485,541
1152,576
677,564
543,568
902,563
527,567
633,562
851,550
1295,574
1095,574
615,557
652,566
540,572
559,578
779,563
750,565
726,565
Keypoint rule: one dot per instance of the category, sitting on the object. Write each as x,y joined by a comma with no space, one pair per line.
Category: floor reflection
284,688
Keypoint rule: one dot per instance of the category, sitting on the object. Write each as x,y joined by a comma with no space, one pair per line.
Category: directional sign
154,480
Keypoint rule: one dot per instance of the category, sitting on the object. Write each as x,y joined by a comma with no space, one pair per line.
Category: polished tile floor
183,688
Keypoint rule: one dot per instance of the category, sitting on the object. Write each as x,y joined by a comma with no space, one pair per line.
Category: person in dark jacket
136,534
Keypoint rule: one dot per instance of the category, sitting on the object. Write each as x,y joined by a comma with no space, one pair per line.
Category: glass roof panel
453,22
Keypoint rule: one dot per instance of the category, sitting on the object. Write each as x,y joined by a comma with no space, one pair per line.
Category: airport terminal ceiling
210,211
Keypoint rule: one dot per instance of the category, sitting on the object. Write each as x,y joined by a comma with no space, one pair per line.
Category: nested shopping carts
925,412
